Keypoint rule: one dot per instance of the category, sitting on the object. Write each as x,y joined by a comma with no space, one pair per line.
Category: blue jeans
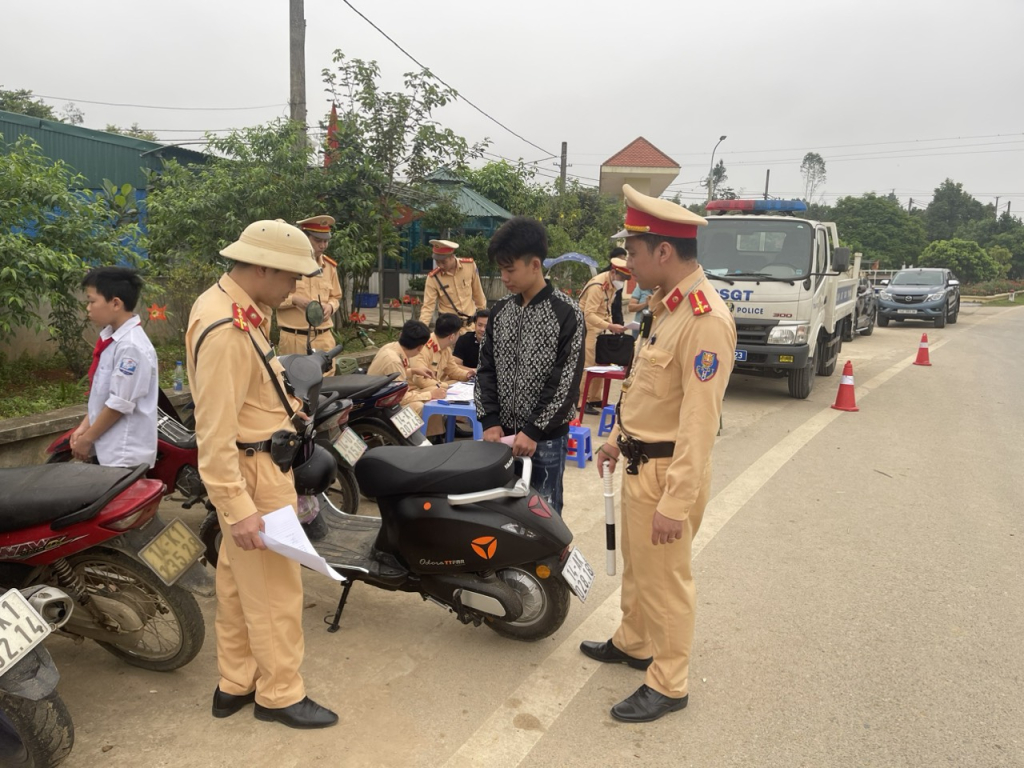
548,468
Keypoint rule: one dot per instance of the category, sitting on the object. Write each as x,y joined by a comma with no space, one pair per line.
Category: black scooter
462,528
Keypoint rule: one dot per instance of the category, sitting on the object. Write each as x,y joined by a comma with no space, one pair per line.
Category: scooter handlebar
517,491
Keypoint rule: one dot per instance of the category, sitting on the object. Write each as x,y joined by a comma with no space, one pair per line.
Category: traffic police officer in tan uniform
437,356
668,418
323,287
259,593
596,304
395,358
454,286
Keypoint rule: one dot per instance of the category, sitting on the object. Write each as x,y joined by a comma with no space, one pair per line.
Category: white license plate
407,421
172,551
578,574
741,355
21,629
906,311
351,446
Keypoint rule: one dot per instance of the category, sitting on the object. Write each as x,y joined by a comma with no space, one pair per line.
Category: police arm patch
705,365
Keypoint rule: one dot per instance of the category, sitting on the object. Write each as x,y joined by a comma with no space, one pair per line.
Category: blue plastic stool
451,410
579,449
607,420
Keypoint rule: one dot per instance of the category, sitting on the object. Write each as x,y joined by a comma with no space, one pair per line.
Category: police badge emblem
705,365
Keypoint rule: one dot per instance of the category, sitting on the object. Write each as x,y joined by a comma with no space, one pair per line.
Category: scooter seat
46,493
460,467
355,385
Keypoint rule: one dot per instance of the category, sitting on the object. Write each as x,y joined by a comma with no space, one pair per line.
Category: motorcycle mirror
314,314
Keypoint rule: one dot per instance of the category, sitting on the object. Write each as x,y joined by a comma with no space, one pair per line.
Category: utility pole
910,205
1008,204
997,207
767,177
297,57
561,174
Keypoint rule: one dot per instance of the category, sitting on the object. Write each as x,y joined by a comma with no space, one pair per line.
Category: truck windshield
771,248
916,277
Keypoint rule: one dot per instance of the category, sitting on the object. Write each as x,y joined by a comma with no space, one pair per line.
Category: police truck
791,288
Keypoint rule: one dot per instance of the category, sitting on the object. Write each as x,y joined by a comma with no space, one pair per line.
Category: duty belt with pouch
283,446
638,452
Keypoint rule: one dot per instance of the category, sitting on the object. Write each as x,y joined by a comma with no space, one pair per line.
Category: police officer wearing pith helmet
668,418
242,410
453,286
323,287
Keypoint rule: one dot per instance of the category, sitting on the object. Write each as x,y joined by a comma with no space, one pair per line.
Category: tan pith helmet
276,244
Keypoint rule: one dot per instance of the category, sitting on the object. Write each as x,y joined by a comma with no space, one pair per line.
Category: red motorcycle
94,532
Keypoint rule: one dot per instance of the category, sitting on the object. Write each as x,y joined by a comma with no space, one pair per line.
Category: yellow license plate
172,552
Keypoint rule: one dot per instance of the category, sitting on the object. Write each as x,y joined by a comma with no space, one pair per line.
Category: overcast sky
894,94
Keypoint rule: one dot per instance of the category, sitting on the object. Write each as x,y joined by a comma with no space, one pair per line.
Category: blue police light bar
758,206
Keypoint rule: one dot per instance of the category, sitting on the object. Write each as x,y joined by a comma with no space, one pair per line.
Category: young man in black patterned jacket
531,358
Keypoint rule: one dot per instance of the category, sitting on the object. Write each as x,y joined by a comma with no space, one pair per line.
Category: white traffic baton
609,521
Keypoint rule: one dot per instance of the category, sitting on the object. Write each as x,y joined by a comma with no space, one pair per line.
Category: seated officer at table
395,357
436,355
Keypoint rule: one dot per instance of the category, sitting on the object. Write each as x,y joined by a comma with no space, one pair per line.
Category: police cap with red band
646,215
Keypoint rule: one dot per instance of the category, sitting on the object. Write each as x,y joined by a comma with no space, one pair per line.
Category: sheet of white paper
285,536
459,391
604,368
634,326
508,439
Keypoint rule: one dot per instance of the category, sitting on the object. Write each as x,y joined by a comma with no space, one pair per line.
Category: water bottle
179,377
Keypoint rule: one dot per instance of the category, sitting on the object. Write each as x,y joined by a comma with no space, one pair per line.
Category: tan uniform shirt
391,359
675,389
464,288
324,288
441,362
596,304
235,398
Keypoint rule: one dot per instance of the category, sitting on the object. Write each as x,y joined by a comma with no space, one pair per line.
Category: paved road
860,604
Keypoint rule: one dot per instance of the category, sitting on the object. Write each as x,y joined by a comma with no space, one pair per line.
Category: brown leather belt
316,331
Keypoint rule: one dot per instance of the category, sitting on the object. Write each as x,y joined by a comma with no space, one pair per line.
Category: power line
150,106
422,66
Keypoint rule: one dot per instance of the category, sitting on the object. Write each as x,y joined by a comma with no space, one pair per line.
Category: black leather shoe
609,654
593,409
646,705
304,714
226,704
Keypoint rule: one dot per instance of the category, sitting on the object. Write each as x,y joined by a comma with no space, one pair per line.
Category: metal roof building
97,155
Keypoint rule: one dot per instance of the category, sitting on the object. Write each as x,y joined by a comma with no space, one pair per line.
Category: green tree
813,170
1001,256
51,232
879,228
1005,232
718,178
951,208
265,172
24,103
399,135
134,131
510,186
967,259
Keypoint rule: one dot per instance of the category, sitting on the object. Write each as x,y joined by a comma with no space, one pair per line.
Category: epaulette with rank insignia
433,345
240,321
699,302
330,261
467,261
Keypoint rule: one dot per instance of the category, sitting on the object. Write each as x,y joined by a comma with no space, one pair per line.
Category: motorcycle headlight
935,296
788,334
885,295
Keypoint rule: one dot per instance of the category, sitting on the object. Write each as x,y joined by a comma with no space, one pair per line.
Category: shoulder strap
445,291
203,335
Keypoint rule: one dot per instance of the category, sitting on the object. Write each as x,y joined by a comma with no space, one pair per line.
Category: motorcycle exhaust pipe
51,603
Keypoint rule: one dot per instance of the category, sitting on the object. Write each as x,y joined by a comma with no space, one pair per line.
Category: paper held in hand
285,536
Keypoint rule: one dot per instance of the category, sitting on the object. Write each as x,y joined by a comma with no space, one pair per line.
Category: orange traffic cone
845,400
922,351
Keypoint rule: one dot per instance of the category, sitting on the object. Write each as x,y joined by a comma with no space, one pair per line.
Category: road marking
508,736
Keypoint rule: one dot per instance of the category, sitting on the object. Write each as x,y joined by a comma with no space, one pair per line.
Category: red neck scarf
101,344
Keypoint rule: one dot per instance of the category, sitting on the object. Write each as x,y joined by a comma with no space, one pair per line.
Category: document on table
460,391
285,536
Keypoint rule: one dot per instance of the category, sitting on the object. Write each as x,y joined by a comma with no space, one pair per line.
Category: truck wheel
826,367
801,381
883,321
940,321
956,314
870,327
850,328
